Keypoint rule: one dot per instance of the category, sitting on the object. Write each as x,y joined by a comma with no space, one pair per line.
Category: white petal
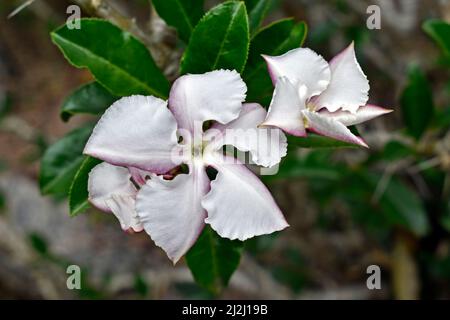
285,108
111,190
171,212
363,114
215,95
239,206
124,210
331,128
136,131
349,87
266,145
106,180
300,65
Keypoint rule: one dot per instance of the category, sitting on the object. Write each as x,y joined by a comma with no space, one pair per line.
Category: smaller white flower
323,98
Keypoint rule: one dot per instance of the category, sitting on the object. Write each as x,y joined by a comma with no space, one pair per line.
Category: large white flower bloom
324,98
137,138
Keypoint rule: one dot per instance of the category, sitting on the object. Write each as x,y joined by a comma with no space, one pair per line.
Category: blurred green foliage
380,192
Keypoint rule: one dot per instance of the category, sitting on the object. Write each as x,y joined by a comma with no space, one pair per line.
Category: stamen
305,122
311,107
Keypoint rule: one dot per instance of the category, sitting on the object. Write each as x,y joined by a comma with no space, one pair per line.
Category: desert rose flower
311,94
141,139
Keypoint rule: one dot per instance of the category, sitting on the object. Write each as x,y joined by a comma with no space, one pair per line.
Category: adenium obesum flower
143,142
323,98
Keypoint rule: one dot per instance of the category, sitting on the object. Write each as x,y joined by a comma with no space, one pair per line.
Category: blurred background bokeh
348,208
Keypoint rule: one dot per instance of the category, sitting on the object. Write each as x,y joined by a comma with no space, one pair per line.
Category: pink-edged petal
348,88
171,212
300,65
239,206
331,128
139,176
111,190
285,108
124,210
106,180
136,131
363,114
215,95
266,145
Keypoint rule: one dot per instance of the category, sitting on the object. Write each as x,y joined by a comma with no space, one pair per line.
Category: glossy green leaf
257,11
440,31
120,62
213,260
61,161
317,141
91,98
417,103
250,4
275,39
219,41
183,15
78,194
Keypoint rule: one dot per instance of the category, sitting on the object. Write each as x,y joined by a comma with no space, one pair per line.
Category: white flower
137,138
323,98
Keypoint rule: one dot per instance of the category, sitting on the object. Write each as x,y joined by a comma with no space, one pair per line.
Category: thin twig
20,8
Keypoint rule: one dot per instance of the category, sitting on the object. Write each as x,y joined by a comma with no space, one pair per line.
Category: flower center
305,122
310,106
197,151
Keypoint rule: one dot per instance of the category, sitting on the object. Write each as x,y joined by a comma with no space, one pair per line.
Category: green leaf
183,15
90,98
440,31
219,41
212,260
417,103
395,150
442,118
61,161
257,11
275,39
317,141
308,166
120,62
78,194
403,206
